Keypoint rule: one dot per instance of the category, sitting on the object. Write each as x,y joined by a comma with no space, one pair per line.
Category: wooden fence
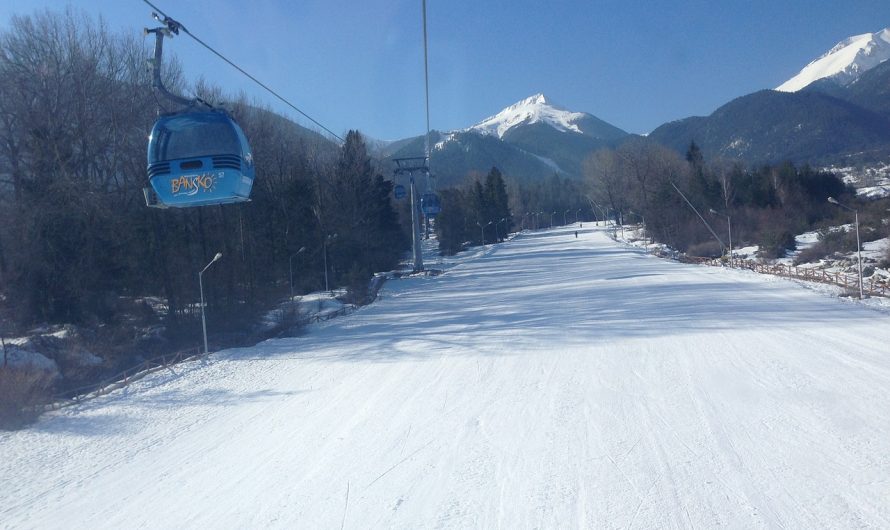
161,362
874,286
150,366
122,379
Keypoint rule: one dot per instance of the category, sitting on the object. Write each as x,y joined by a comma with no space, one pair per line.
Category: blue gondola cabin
198,158
429,204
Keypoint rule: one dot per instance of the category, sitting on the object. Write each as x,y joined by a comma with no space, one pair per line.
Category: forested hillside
681,200
773,127
78,244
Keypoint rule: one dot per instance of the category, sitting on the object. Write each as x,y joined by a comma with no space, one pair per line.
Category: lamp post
602,210
324,244
482,227
503,220
551,219
564,221
290,266
832,200
578,215
729,228
643,221
201,288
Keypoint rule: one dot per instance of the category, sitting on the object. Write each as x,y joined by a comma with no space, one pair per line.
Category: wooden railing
122,379
150,366
874,286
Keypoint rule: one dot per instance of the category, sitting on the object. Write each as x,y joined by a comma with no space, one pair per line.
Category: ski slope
548,382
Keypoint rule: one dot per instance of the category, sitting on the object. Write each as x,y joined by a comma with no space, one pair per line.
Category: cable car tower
429,203
411,166
198,155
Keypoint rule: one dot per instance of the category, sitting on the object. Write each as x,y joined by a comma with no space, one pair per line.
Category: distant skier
576,234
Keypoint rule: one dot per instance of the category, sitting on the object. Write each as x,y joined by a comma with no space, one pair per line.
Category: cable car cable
254,79
426,80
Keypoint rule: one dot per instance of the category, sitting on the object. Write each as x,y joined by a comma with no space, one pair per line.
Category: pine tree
452,223
496,199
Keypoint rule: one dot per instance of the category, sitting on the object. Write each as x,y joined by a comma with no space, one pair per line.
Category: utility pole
834,201
201,287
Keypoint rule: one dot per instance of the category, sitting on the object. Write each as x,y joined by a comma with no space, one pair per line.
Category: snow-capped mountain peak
845,62
534,109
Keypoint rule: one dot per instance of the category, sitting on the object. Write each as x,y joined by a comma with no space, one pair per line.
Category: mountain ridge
529,139
538,108
845,62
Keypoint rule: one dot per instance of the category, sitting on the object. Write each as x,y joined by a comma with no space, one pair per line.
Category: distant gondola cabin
429,204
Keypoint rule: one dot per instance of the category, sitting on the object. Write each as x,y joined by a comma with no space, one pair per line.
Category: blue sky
359,64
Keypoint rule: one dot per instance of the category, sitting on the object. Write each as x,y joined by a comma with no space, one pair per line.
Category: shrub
774,244
833,241
810,255
708,249
357,281
22,390
885,261
830,242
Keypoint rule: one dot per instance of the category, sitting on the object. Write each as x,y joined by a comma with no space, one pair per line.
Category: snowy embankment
551,381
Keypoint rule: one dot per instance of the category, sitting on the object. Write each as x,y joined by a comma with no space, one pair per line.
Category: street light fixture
564,221
603,211
290,267
496,231
551,218
832,200
481,226
201,288
621,222
643,220
324,245
729,227
577,215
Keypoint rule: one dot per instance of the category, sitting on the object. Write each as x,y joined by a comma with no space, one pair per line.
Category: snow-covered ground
548,382
871,182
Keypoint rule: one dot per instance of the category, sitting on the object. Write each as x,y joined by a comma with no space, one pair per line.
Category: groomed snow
845,62
549,382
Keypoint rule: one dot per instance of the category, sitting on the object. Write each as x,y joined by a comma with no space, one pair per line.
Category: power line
252,78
